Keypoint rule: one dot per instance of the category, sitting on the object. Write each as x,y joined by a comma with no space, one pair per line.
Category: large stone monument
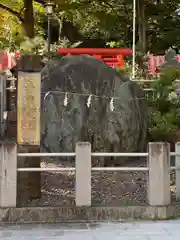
115,119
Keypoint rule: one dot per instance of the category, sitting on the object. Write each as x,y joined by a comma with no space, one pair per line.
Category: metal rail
95,154
105,154
173,154
46,169
46,154
123,169
173,168
149,81
105,169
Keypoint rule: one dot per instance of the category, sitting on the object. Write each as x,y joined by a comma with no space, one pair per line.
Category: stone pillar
83,174
159,174
28,125
28,183
177,164
8,174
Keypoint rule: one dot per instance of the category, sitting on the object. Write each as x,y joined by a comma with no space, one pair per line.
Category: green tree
157,26
24,11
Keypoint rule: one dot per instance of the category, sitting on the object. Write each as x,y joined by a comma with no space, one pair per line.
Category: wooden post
83,174
159,174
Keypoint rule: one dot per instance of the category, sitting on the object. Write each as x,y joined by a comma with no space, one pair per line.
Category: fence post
8,174
159,173
177,164
83,174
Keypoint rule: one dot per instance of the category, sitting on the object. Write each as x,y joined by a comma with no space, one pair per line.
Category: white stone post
159,174
177,164
83,174
8,174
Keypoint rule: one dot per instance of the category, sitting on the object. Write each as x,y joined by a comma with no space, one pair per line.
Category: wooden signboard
28,108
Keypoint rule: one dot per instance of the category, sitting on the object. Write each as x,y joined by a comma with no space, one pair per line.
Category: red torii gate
113,57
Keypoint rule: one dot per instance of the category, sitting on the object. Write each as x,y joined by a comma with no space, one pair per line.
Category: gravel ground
108,188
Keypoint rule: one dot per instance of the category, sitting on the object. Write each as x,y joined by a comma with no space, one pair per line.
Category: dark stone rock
121,130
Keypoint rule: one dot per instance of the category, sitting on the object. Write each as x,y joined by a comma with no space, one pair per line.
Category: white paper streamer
46,95
89,101
65,100
133,182
112,104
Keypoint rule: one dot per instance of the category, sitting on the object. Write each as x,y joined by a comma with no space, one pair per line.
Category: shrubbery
164,105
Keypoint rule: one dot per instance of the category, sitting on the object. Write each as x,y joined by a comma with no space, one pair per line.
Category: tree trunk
28,23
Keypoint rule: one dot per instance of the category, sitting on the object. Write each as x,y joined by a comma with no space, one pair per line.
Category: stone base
86,214
28,183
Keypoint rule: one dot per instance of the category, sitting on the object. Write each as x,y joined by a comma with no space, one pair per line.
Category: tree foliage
157,24
164,117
